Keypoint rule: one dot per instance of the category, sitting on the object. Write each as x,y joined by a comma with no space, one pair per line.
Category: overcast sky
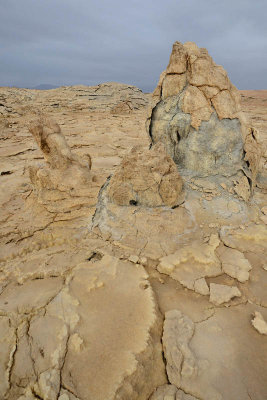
67,42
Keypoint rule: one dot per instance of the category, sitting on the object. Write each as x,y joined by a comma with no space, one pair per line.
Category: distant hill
45,86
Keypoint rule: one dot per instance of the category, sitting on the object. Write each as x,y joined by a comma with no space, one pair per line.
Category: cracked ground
82,306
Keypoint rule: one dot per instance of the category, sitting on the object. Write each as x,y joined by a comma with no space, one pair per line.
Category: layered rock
147,178
100,98
196,113
64,176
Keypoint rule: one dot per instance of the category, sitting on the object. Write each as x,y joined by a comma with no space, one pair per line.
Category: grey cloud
68,42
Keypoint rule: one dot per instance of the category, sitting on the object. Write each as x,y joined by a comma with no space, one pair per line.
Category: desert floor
82,307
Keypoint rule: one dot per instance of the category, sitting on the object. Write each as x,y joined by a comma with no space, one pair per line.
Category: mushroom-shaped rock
196,113
146,178
64,174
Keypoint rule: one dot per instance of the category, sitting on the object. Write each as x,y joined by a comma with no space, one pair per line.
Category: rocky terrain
134,239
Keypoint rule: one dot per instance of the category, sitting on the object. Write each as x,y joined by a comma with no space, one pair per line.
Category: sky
68,42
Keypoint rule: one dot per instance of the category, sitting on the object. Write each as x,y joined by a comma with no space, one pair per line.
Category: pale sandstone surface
224,354
182,366
202,205
57,295
196,343
201,287
72,323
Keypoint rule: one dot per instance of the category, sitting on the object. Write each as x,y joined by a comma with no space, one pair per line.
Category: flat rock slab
170,392
234,263
220,294
228,349
259,323
192,263
253,238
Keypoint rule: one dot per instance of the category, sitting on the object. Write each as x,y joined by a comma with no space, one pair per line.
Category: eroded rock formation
195,118
147,178
64,175
78,311
52,143
196,113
